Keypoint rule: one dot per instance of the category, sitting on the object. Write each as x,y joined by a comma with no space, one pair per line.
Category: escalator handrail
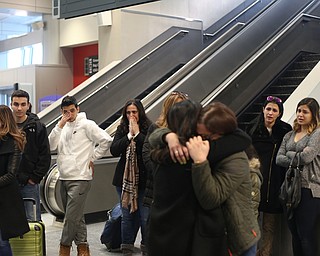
234,19
105,85
166,87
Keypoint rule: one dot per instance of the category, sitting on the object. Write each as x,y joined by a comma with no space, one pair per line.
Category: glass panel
27,55
14,58
37,53
3,60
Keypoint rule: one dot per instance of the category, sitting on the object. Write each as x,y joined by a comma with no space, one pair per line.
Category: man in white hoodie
75,137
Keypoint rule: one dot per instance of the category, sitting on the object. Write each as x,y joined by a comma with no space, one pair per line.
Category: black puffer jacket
267,147
36,156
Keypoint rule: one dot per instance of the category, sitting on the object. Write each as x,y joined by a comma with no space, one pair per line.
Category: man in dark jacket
36,157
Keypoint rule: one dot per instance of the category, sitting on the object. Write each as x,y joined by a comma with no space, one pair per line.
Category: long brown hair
313,105
171,99
8,126
218,118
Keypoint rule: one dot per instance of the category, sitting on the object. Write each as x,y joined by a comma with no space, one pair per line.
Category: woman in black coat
127,144
267,132
13,221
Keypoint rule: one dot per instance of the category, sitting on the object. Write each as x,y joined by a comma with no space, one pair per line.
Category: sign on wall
91,65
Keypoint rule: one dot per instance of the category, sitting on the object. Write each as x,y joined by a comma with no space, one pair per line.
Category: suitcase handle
33,201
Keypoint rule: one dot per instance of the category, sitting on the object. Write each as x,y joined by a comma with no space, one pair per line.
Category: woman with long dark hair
266,132
13,221
178,225
130,174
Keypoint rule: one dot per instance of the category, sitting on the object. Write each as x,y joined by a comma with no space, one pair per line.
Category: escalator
282,86
235,73
143,71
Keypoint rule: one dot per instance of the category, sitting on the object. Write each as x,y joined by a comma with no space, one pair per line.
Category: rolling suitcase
111,234
32,243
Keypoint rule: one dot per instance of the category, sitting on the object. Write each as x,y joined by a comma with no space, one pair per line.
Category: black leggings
303,225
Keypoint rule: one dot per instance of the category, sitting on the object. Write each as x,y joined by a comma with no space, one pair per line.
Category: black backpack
111,234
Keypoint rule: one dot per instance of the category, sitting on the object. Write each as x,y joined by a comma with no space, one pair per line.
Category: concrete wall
124,36
47,79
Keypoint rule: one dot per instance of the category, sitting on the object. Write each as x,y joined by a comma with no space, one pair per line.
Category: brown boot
64,250
83,250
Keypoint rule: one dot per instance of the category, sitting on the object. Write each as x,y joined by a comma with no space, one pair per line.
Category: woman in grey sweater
304,140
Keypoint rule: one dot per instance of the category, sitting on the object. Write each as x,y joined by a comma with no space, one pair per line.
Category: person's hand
30,181
198,149
178,152
133,126
65,118
91,166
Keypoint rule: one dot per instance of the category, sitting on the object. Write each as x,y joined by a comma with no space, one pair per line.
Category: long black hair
259,120
182,120
144,122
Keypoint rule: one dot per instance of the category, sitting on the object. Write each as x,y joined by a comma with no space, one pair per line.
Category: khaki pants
74,194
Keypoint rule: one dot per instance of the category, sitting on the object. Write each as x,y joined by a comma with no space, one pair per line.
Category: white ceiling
15,23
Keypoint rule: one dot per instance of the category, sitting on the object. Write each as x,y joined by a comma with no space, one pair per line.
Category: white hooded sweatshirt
76,143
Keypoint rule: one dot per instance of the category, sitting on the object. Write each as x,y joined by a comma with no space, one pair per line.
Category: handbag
290,191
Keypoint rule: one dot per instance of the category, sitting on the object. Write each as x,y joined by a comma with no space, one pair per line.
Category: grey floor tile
53,232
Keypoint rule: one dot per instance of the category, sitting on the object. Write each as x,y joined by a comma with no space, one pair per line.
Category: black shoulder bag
290,191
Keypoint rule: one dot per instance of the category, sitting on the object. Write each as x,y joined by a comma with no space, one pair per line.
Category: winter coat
119,147
13,220
256,181
150,167
76,143
36,157
227,183
208,234
267,147
178,226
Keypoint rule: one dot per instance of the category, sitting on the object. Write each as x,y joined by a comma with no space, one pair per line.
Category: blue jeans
5,248
131,222
31,191
251,251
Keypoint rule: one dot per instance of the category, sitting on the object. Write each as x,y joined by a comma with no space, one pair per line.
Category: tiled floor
53,232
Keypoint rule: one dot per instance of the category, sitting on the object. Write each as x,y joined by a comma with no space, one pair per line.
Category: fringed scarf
130,179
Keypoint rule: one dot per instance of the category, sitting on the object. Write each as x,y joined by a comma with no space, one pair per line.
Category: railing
257,55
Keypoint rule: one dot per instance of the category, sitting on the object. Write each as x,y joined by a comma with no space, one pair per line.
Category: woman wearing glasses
130,174
267,132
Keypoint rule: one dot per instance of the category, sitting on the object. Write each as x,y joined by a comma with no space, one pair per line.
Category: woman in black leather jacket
13,221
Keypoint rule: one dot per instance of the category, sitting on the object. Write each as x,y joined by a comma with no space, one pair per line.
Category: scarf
130,179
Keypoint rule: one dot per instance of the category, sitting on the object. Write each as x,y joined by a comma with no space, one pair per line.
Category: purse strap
296,155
